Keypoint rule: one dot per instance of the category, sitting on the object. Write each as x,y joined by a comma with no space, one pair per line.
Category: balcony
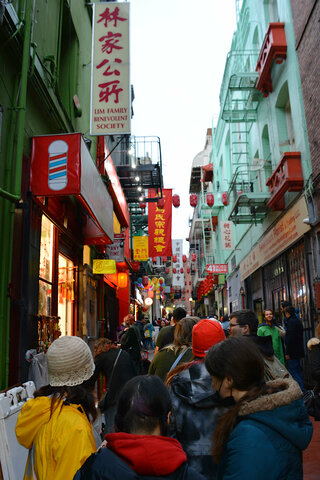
274,48
138,164
287,177
248,206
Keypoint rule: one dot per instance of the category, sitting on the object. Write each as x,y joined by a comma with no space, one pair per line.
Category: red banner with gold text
159,225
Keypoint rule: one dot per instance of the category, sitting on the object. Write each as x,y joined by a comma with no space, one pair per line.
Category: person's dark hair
237,358
246,317
291,310
178,313
183,332
144,403
169,316
78,395
285,303
268,310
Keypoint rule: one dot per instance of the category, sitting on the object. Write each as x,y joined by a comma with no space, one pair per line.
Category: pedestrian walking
55,426
268,328
148,335
180,351
263,435
117,367
130,341
294,345
195,409
166,335
141,447
225,324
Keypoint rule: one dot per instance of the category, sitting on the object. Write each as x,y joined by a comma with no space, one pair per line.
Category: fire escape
239,101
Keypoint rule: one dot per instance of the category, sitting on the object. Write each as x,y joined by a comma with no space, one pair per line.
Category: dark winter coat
268,440
134,457
123,371
294,338
130,341
314,358
195,412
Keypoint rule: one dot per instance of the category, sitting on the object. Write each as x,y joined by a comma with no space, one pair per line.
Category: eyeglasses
235,324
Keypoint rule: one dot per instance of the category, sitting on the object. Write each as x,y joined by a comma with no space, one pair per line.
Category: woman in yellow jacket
55,425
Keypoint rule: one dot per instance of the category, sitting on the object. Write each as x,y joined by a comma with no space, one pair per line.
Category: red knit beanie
205,334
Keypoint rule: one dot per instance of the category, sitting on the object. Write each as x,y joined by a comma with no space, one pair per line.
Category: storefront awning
62,165
207,173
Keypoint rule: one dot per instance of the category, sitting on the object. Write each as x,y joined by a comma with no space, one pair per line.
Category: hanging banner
178,277
110,75
159,225
140,248
104,266
227,236
115,251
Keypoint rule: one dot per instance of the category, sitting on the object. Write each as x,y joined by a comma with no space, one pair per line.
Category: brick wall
306,21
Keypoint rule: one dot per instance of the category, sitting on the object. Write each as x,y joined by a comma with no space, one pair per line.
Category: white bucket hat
69,361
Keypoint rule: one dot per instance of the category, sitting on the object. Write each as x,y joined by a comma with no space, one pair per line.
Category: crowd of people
222,399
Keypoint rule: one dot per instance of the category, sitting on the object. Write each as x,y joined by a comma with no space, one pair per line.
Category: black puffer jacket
195,412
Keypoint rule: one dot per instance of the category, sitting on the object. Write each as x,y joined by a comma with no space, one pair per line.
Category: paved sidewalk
311,457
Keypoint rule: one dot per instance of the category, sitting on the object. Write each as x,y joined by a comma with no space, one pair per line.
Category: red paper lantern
174,258
145,280
176,201
183,291
189,283
160,203
193,257
167,271
181,270
174,270
122,280
142,205
164,259
193,200
188,269
154,259
161,280
224,199
210,199
184,258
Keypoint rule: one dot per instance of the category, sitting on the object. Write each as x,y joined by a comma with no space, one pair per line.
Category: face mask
224,402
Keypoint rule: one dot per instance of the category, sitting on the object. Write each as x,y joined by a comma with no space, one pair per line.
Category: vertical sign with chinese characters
178,277
110,76
159,225
227,236
140,248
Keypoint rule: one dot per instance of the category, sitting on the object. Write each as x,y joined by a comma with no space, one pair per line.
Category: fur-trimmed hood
282,411
312,342
288,392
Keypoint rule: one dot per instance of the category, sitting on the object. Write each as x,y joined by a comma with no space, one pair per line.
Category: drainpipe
15,183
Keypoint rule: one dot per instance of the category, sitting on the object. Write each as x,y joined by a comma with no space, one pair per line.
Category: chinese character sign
110,78
227,236
104,266
217,268
159,225
178,277
140,248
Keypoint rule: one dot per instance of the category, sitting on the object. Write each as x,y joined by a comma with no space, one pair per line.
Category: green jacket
264,330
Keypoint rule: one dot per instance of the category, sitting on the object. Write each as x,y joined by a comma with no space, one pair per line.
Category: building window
65,294
284,120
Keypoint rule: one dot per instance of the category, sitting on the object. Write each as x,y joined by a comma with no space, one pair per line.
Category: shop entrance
278,296
66,295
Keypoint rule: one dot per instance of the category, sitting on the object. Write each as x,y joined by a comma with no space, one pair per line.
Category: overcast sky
178,54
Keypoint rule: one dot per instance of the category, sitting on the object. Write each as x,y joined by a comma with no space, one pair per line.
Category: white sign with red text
110,74
217,268
227,236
